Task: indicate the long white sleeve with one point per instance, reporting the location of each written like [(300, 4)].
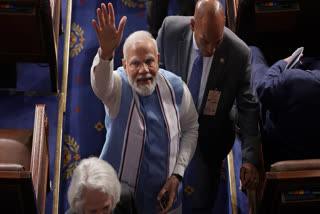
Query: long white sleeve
[(189, 132), (106, 84)]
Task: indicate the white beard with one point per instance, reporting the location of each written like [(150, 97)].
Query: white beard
[(143, 90)]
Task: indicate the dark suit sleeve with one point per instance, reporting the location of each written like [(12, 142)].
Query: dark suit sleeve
[(271, 89), (160, 43), (259, 65), (248, 108), (127, 203)]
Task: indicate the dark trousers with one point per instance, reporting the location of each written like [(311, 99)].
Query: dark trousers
[(207, 177)]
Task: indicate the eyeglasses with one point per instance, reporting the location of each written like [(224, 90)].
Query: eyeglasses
[(135, 63)]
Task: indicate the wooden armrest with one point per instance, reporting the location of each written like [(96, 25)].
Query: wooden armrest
[(295, 165), (297, 175)]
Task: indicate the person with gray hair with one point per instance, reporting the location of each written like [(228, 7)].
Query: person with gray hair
[(151, 120), (95, 188)]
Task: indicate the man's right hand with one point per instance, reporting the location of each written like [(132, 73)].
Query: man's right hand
[(109, 37), (249, 176)]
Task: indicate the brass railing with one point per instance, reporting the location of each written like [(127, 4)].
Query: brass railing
[(62, 108), (232, 183)]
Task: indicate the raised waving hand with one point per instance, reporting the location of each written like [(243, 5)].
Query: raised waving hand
[(108, 36)]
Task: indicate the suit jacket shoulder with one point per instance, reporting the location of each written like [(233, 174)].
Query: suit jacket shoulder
[(232, 42), (174, 43), (176, 23)]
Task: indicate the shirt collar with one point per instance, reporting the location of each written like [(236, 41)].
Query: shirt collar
[(194, 44)]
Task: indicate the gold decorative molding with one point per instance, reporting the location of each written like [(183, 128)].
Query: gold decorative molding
[(76, 35), (71, 156)]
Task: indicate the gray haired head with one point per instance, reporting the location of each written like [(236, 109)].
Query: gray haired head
[(93, 174), (137, 36)]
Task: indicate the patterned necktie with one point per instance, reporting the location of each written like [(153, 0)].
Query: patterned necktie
[(195, 77)]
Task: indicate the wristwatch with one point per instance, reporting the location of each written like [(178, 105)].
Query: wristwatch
[(179, 177)]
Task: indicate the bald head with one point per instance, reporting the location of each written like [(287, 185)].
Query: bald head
[(210, 8), (208, 25)]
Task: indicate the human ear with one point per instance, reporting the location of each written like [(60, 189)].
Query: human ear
[(192, 24), (124, 64)]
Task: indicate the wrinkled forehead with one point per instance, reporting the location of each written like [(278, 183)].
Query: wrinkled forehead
[(142, 47)]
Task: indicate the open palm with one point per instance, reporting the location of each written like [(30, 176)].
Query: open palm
[(109, 37)]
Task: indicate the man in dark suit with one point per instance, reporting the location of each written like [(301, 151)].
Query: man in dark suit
[(226, 78), (290, 106)]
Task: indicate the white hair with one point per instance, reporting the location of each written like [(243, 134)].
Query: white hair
[(140, 35), (93, 174), (144, 90)]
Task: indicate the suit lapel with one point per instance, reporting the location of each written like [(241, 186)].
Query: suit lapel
[(217, 69), (217, 73), (184, 47)]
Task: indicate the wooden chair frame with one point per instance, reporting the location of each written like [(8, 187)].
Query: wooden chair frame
[(30, 187)]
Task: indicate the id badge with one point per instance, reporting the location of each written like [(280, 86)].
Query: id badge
[(212, 103)]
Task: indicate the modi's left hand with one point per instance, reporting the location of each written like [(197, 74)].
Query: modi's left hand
[(249, 176), (171, 186)]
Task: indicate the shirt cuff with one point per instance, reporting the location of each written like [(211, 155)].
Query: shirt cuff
[(101, 66), (179, 169)]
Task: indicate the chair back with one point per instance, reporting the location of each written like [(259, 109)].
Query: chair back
[(24, 166), (292, 187)]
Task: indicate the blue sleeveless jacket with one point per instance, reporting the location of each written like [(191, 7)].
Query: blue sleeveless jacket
[(153, 171)]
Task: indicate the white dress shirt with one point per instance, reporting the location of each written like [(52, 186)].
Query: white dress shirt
[(205, 72)]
